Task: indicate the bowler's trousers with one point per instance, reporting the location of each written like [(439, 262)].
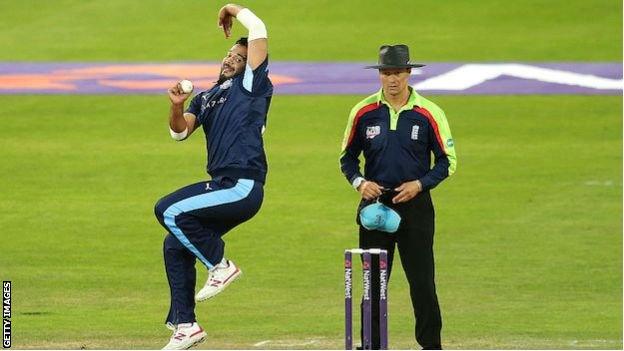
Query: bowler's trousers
[(414, 238), (196, 217)]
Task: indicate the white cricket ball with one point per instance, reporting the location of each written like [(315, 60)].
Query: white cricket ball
[(187, 86)]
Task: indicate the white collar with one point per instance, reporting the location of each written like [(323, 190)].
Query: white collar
[(226, 85)]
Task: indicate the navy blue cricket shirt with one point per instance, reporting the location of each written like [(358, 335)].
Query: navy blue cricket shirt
[(233, 116)]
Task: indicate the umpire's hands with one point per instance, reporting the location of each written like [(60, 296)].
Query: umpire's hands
[(407, 191), (369, 190)]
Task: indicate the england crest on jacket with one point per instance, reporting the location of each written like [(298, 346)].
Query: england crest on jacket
[(372, 131)]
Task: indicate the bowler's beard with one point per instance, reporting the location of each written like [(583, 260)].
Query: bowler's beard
[(223, 78)]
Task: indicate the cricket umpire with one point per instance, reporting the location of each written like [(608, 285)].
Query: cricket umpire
[(232, 115), (399, 131)]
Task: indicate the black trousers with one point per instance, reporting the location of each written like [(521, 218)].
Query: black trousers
[(414, 240)]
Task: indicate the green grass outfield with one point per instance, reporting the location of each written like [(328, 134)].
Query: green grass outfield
[(529, 231), (528, 239), (482, 30)]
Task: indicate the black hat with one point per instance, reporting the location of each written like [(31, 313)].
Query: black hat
[(394, 56)]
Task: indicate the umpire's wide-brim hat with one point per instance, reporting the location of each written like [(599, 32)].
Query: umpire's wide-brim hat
[(394, 56)]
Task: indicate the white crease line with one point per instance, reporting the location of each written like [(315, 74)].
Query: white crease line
[(311, 342), (599, 183), (286, 343), (594, 342), (261, 343)]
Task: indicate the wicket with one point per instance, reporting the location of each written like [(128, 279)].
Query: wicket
[(366, 299)]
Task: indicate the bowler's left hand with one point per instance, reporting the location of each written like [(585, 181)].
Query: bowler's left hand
[(407, 191)]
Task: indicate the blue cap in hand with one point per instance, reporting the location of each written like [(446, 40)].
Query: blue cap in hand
[(378, 216)]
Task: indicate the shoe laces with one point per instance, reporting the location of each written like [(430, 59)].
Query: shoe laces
[(215, 275)]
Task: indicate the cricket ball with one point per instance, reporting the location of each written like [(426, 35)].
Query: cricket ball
[(187, 86)]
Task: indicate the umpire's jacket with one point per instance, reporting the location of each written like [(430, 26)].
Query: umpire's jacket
[(397, 146)]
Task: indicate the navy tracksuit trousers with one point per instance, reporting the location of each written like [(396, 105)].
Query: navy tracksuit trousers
[(196, 217)]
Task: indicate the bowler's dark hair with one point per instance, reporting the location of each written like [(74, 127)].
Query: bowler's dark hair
[(242, 41)]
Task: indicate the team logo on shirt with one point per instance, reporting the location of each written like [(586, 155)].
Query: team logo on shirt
[(212, 103), (372, 131), (415, 132)]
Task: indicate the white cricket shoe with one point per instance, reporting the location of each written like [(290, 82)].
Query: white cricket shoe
[(218, 279), (185, 335)]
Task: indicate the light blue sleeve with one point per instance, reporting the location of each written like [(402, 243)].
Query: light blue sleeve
[(248, 78)]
